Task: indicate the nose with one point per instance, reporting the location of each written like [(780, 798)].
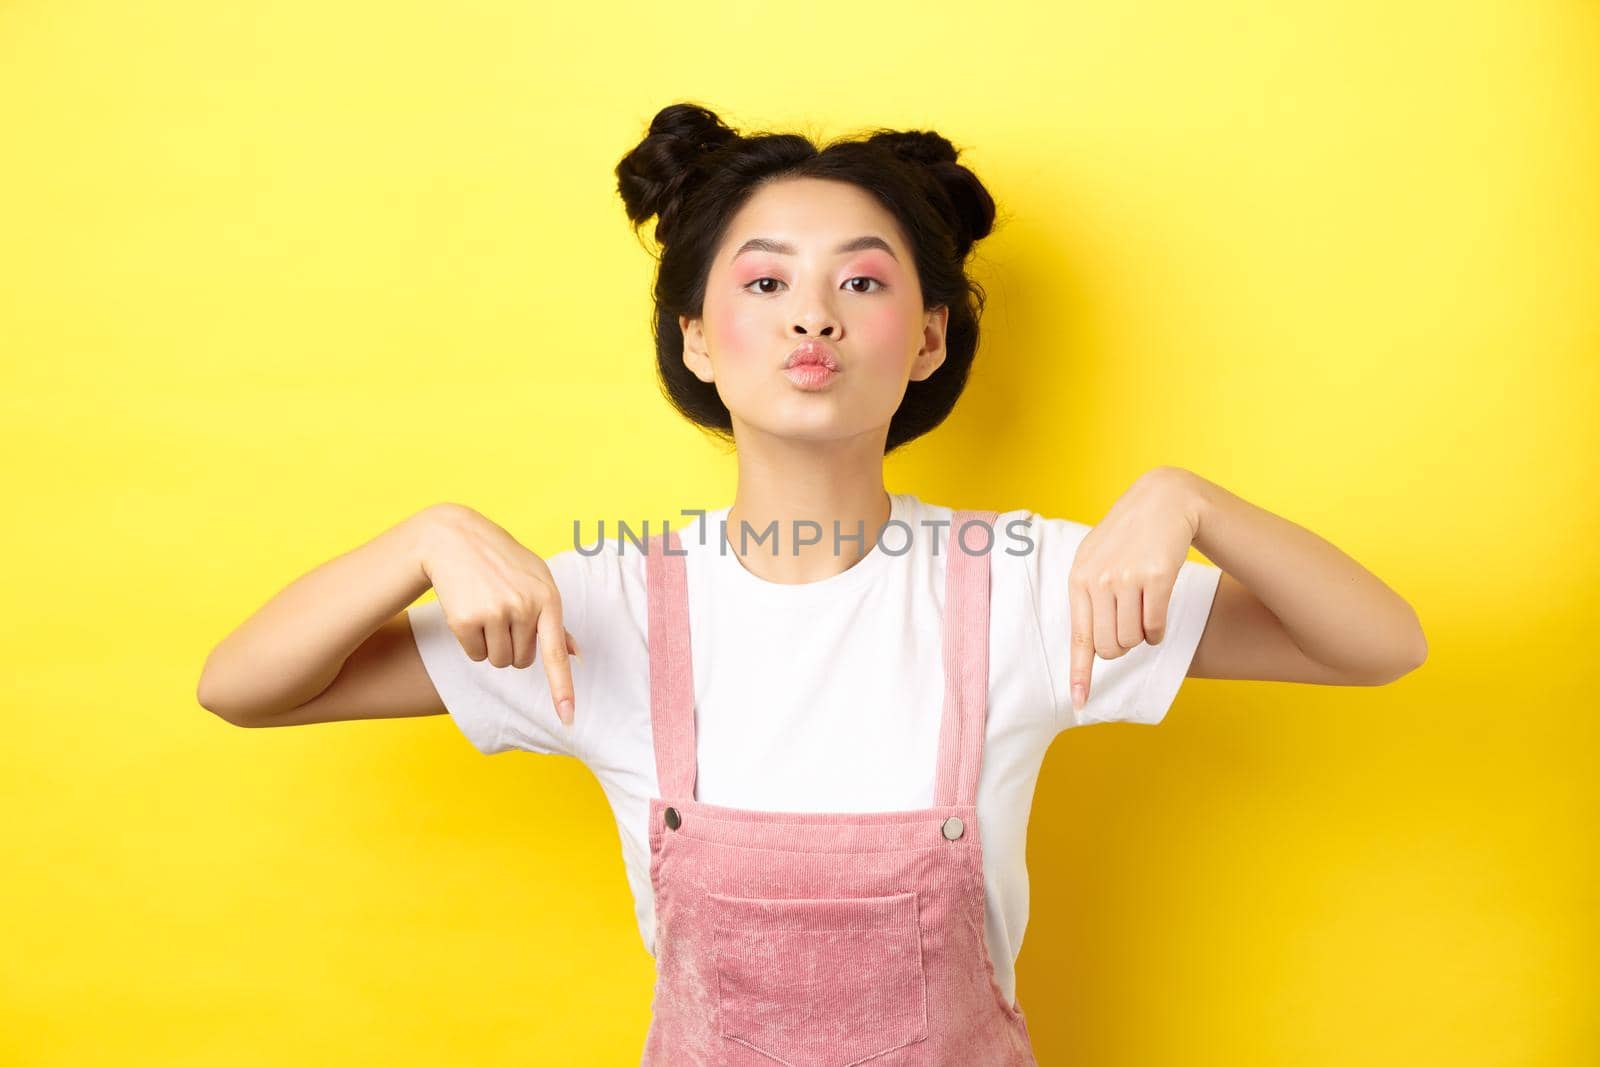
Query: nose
[(814, 319), (816, 326)]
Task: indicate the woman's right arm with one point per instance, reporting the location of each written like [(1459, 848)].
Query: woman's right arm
[(336, 643)]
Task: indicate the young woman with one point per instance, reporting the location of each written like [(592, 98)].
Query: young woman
[(818, 712)]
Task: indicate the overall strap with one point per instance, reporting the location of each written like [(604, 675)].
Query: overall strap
[(671, 671), (971, 545)]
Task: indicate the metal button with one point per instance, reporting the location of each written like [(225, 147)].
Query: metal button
[(673, 819), (953, 828)]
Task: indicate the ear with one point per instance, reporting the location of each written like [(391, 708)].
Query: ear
[(694, 348), (930, 357)]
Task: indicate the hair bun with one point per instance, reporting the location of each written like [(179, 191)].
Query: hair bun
[(652, 178), (966, 203), (918, 146)]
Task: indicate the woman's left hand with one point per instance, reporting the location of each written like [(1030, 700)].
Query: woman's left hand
[(1122, 576)]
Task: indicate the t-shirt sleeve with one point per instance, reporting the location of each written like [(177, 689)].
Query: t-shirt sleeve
[(503, 708), (1138, 686)]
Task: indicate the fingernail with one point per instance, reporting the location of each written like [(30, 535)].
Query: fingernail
[(566, 712), (1077, 696)]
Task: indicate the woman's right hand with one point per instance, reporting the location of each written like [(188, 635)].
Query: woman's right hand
[(499, 598)]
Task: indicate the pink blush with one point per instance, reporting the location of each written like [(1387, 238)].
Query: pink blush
[(882, 326), (737, 328)]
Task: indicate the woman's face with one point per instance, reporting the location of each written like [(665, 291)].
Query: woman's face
[(863, 304)]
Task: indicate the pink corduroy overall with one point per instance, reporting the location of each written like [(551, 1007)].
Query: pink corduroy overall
[(825, 939)]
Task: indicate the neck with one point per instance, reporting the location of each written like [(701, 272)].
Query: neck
[(785, 482)]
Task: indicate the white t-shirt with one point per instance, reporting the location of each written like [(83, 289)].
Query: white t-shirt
[(826, 695)]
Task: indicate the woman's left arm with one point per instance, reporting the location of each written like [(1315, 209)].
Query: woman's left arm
[(1289, 605)]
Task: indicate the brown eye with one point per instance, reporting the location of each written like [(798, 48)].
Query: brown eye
[(857, 278)]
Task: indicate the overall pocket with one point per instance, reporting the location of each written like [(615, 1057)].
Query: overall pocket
[(820, 982)]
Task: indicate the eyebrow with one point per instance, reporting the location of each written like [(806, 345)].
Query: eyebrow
[(766, 244)]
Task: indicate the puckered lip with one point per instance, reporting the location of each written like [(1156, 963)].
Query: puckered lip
[(812, 352)]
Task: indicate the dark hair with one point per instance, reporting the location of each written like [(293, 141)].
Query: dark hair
[(694, 173)]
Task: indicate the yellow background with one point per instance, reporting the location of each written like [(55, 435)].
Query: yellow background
[(278, 275)]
